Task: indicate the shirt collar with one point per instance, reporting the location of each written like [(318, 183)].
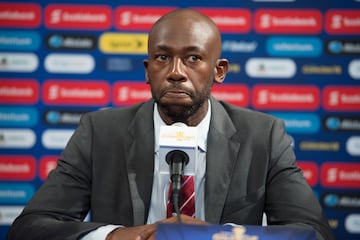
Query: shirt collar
[(203, 128)]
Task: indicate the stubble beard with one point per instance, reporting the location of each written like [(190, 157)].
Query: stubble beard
[(181, 113)]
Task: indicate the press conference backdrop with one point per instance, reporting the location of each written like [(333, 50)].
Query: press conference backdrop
[(295, 59)]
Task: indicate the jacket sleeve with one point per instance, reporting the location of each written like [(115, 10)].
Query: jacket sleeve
[(58, 208), (289, 199)]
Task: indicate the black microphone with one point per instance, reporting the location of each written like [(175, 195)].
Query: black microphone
[(177, 160)]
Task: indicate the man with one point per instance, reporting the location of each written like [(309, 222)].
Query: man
[(110, 165)]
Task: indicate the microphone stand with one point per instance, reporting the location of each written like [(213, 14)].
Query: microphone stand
[(176, 159)]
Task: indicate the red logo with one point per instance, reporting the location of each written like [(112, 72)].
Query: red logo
[(18, 91), (83, 17), (341, 98), (340, 175), (23, 15), (233, 93), (288, 21), (76, 92), (310, 172), (138, 18), (18, 168), (286, 97), (127, 93), (342, 22), (47, 164), (229, 20)]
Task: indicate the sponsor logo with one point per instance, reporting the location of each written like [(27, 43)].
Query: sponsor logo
[(294, 47), (123, 43), (229, 20), (18, 91), (18, 193), (17, 168), (56, 138), (234, 68), (127, 93), (47, 163), (341, 98), (342, 123), (286, 97), (19, 40), (58, 92), (22, 15), (17, 138), (18, 62), (236, 94), (70, 41), (342, 21), (62, 117), (310, 172), (343, 47), (18, 116), (341, 200), (334, 223), (352, 223), (61, 16), (130, 18), (340, 175), (270, 68), (118, 64), (9, 213), (354, 69), (353, 146), (319, 146), (288, 21), (315, 69), (239, 46), (300, 122), (69, 63)]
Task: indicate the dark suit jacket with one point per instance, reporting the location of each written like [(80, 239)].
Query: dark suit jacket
[(107, 168)]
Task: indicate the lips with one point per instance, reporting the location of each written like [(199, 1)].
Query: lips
[(176, 92)]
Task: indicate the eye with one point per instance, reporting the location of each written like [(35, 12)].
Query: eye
[(193, 58), (162, 57)]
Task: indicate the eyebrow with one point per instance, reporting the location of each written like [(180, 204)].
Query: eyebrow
[(186, 49)]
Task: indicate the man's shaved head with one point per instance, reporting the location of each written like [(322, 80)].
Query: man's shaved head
[(188, 18)]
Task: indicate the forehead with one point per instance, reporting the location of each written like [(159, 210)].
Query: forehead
[(182, 34)]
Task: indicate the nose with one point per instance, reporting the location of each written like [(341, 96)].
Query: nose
[(176, 72)]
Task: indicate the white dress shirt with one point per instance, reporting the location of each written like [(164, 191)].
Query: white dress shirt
[(161, 182)]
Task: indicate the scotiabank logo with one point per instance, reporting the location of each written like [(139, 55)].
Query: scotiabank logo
[(57, 92), (96, 17), (286, 97), (342, 22), (340, 175), (310, 172), (23, 15), (341, 98), (18, 91), (288, 21), (18, 168), (47, 163), (138, 18), (229, 20), (127, 93), (233, 93)]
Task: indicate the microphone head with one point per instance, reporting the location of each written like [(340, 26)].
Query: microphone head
[(177, 156)]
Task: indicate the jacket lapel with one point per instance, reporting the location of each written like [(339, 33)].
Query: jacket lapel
[(140, 161), (222, 150)]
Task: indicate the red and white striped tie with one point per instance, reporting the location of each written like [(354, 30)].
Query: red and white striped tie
[(187, 204)]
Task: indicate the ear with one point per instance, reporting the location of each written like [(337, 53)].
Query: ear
[(221, 68), (146, 64)]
